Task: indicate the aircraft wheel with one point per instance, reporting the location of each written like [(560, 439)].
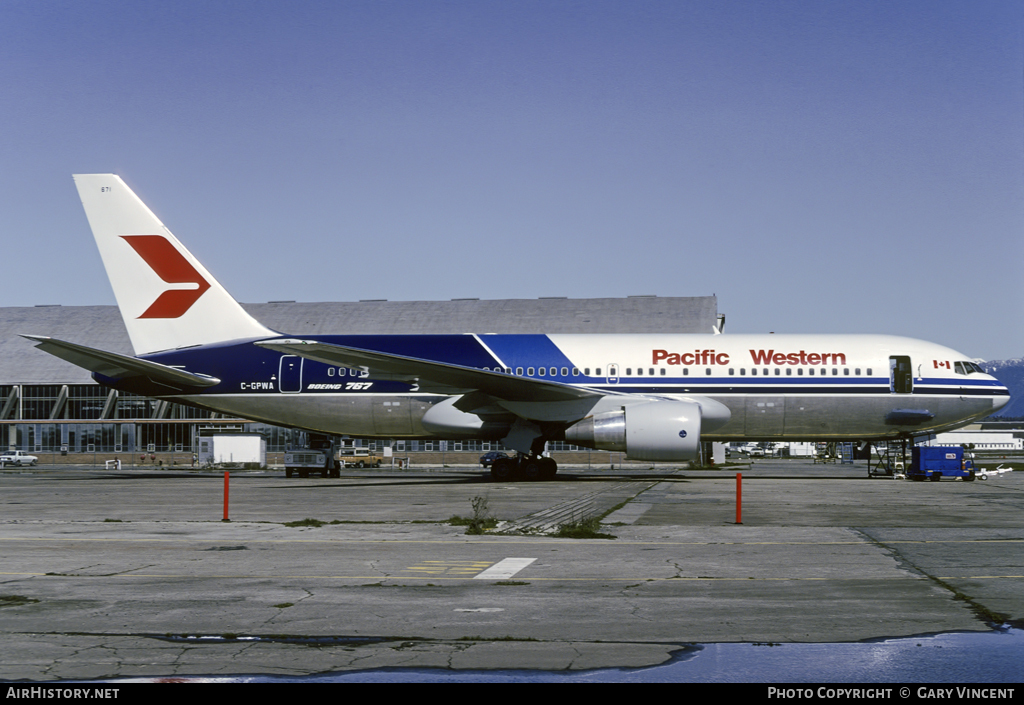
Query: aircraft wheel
[(503, 469), (548, 469), (532, 471)]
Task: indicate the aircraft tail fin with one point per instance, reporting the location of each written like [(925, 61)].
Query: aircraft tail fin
[(167, 298)]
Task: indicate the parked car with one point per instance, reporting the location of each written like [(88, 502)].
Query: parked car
[(487, 460), (18, 457), (359, 457)]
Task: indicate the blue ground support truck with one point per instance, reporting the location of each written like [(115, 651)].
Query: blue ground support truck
[(935, 462)]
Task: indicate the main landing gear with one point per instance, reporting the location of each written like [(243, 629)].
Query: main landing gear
[(531, 468)]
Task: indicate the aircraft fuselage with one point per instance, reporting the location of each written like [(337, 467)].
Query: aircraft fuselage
[(776, 387)]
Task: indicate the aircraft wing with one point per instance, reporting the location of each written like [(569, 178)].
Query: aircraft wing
[(111, 364), (429, 372)]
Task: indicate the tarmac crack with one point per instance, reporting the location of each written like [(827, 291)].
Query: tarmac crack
[(678, 568), (577, 656), (382, 573), (635, 609), (285, 605), (991, 618), (100, 575)]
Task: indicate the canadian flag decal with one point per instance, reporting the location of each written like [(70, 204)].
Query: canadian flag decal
[(170, 266)]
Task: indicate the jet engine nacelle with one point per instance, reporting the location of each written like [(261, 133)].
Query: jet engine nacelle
[(658, 430)]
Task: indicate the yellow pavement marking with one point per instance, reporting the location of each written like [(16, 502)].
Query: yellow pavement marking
[(505, 540), (451, 567), (458, 576)]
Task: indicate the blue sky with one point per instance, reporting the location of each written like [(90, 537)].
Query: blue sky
[(820, 166)]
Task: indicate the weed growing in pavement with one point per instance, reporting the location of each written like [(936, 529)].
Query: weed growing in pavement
[(586, 529), (481, 520), (310, 522), (16, 600)]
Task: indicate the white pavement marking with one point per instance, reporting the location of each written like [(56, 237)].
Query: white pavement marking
[(502, 570)]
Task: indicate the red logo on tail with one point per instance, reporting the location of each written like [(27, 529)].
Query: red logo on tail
[(170, 266)]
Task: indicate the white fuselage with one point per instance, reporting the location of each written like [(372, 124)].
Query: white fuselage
[(783, 387)]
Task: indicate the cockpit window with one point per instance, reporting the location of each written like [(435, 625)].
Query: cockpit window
[(967, 368)]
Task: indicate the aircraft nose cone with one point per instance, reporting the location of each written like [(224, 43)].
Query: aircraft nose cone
[(1000, 402)]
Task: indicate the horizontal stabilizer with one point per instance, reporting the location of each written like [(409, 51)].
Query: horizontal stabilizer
[(496, 384), (116, 366)]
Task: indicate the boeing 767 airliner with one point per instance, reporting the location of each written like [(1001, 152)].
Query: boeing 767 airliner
[(654, 397)]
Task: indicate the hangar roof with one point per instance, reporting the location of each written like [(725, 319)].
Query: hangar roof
[(102, 327)]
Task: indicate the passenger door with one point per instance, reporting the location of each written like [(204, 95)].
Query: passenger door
[(289, 374), (901, 375)]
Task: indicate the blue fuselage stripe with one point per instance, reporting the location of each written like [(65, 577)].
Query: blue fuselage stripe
[(238, 365)]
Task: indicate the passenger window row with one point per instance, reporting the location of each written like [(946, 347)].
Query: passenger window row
[(823, 371), (662, 371), (341, 371)]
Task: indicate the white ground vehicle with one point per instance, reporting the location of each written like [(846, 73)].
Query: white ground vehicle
[(315, 456), (18, 457)]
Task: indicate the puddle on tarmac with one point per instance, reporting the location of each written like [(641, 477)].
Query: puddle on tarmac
[(962, 657)]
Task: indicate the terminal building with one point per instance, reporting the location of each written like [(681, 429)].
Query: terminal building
[(990, 437), (55, 410)]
